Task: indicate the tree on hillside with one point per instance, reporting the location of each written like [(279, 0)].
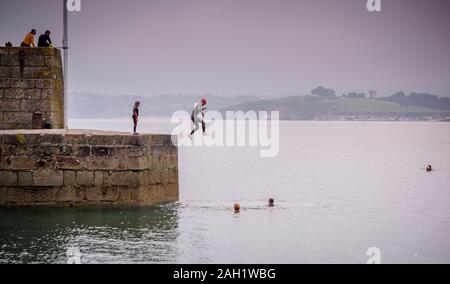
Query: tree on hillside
[(323, 92)]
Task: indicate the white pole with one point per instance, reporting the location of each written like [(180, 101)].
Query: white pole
[(66, 66)]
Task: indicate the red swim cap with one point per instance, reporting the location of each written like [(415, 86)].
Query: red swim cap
[(204, 102)]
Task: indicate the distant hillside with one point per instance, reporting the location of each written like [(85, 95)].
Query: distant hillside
[(86, 105), (420, 100), (331, 108)]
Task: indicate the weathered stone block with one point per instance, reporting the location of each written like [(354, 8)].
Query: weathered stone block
[(98, 178), (17, 117), (25, 178), (101, 151), (75, 140), (69, 163), (5, 72), (161, 140), (82, 151), (101, 163), (10, 105), (48, 149), (45, 84), (15, 93), (127, 151), (172, 161), (65, 150), (103, 194), (15, 195), (38, 61), (25, 84), (101, 140), (9, 60), (162, 193), (165, 176), (173, 176), (46, 94), (5, 83), (128, 178), (8, 178), (127, 194), (52, 138), (21, 163), (85, 178), (48, 178), (29, 105), (38, 194), (70, 194), (136, 140), (106, 178), (134, 163), (3, 196), (69, 178), (33, 73), (154, 177)]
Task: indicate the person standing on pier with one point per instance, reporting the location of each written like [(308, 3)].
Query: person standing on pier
[(135, 115)]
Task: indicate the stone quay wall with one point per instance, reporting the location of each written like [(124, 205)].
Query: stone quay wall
[(31, 80), (86, 168)]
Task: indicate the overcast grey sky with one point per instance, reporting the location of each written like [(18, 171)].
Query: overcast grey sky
[(257, 47)]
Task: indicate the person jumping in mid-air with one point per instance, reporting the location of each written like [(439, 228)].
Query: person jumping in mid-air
[(198, 109), (135, 115)]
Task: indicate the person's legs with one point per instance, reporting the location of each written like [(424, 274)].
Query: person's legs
[(196, 124), (135, 125)]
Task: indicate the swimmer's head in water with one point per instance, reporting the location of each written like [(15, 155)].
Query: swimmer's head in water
[(237, 207), (204, 102), (271, 202)]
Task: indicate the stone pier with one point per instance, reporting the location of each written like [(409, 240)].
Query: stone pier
[(56, 167), (31, 81), (86, 168)]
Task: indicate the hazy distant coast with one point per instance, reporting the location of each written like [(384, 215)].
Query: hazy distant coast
[(321, 104)]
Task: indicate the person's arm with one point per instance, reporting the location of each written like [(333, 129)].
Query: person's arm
[(32, 41)]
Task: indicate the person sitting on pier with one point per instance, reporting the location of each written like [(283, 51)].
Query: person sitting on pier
[(28, 41), (198, 109), (135, 115), (44, 40)]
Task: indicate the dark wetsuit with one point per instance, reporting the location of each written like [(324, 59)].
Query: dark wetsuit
[(44, 41), (135, 118)]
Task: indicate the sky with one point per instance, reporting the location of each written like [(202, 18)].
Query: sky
[(266, 48)]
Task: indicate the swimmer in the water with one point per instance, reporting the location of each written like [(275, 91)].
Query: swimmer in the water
[(429, 168), (271, 202), (237, 208)]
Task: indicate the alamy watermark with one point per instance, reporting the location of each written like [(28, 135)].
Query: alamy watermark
[(374, 255), (374, 5), (73, 255), (73, 5), (236, 129)]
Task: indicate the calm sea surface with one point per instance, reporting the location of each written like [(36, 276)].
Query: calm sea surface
[(339, 188)]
